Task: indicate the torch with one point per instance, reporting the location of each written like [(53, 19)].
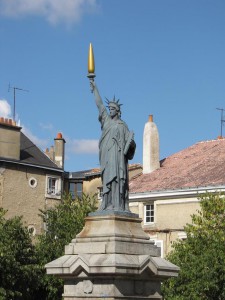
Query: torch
[(91, 64)]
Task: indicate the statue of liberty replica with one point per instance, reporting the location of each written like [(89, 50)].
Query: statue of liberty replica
[(116, 147), (112, 257)]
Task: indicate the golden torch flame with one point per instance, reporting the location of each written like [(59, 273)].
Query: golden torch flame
[(91, 60)]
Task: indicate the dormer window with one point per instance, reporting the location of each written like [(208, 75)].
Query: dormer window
[(100, 192)]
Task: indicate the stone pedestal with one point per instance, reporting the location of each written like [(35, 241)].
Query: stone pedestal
[(112, 258)]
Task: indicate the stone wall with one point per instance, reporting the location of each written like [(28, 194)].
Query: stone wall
[(22, 193), (171, 216)]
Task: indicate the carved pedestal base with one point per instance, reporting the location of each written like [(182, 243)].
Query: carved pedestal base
[(112, 258)]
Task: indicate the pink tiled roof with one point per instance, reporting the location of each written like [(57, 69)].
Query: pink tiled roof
[(200, 165)]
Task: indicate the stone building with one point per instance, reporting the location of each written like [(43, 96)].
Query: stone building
[(29, 180), (167, 193)]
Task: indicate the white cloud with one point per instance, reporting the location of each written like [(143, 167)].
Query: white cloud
[(72, 146), (47, 126), (5, 109), (82, 146), (41, 143), (55, 11)]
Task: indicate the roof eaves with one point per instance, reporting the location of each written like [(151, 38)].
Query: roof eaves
[(83, 174), (75, 175), (31, 165), (175, 193), (92, 174)]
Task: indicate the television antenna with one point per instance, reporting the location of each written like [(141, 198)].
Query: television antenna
[(221, 120), (14, 88)]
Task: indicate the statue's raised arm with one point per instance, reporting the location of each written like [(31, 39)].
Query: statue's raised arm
[(95, 91)]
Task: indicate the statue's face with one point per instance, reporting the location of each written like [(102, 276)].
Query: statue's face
[(113, 112)]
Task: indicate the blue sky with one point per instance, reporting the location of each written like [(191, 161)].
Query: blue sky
[(160, 57)]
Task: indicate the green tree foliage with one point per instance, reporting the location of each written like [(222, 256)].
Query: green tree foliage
[(201, 257), (19, 270), (62, 224)]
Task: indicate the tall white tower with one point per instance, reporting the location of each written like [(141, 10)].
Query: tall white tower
[(150, 147)]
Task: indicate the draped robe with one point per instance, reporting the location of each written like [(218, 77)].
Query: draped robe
[(114, 162)]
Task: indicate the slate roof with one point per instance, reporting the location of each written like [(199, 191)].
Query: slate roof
[(30, 154), (81, 175), (200, 165), (93, 172)]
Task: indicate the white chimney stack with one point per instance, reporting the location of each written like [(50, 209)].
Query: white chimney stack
[(150, 147)]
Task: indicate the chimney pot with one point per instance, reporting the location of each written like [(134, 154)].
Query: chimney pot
[(150, 118), (59, 135)]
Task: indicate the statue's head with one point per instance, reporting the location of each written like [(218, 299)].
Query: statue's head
[(114, 104)]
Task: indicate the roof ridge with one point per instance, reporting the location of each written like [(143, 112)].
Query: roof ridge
[(209, 141)]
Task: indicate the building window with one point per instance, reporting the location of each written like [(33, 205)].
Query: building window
[(32, 230), (79, 189), (100, 192), (149, 213), (53, 185), (182, 235), (76, 189)]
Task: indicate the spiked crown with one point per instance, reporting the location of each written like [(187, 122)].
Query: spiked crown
[(115, 103)]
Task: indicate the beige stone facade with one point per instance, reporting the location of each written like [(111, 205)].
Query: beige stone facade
[(92, 185), (29, 180), (23, 193), (170, 217)]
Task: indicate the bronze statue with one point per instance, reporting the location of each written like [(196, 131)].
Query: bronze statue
[(116, 147)]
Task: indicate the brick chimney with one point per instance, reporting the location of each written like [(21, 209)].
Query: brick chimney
[(50, 153), (150, 147), (9, 139), (59, 150)]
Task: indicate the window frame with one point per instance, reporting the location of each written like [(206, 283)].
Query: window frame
[(75, 192), (150, 216), (182, 235), (100, 193), (56, 191)]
